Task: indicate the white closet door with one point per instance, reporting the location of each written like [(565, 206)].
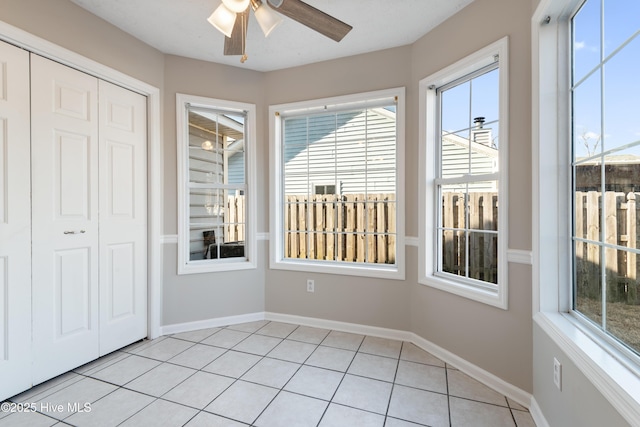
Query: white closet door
[(64, 171), (123, 217), (15, 223)]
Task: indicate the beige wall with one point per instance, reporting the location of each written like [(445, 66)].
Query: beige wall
[(496, 340), (194, 297)]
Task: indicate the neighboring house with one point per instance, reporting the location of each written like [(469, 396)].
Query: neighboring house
[(328, 154), (480, 155), (621, 174)]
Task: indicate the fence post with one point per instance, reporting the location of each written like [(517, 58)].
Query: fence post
[(632, 241)]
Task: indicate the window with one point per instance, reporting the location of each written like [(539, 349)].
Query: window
[(215, 185), (463, 186), (577, 144), (338, 202), (605, 90)]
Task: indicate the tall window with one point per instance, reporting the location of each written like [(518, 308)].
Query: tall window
[(214, 143), (605, 107), (337, 183), (464, 228)]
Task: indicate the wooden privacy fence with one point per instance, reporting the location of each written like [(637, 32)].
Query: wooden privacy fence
[(351, 227), (621, 229), (234, 218), (483, 246)]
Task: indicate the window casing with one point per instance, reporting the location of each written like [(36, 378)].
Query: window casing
[(463, 188), (216, 220), (338, 193)]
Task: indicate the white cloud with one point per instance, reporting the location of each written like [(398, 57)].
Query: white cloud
[(579, 45)]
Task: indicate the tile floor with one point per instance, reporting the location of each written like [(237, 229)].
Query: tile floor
[(267, 374)]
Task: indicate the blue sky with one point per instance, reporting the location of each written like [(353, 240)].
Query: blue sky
[(621, 82)]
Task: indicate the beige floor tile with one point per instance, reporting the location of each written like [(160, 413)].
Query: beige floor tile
[(377, 367), (161, 413), (198, 356), (112, 409), (47, 387), (27, 419), (515, 405), (394, 422), (462, 385), (65, 402), (258, 344), (381, 347), (197, 335), (205, 419), (161, 379), (315, 382), (342, 416), (426, 377), (309, 335), (331, 358), (165, 349), (232, 364), (468, 413), (199, 390), (364, 393), (271, 372), (523, 419), (413, 353), (125, 370), (101, 363), (277, 329), (292, 351), (242, 401), (289, 409), (249, 327), (343, 340), (225, 338), (419, 406)]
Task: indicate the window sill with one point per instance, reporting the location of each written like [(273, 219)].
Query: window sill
[(216, 267), (598, 361), (497, 299), (379, 272)]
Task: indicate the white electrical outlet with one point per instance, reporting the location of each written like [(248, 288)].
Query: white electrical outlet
[(310, 285), (557, 373)]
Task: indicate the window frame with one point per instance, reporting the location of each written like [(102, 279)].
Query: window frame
[(429, 206), (359, 100), (611, 371), (249, 261)]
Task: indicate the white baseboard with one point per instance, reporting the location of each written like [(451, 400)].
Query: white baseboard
[(537, 415), (520, 396), (210, 323), (487, 378), (353, 328)]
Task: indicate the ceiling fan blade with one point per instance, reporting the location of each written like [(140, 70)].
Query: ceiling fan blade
[(313, 18), (234, 45)]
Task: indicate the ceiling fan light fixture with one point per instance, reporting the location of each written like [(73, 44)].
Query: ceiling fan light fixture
[(223, 19), (266, 17), (236, 6)]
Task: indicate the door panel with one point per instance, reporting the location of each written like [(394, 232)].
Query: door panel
[(72, 176), (15, 222), (64, 169), (72, 292), (123, 217)]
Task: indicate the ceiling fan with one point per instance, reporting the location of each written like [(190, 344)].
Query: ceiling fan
[(232, 16)]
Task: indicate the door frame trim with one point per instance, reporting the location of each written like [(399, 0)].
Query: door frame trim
[(47, 49)]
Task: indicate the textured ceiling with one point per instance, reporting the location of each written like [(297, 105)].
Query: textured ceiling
[(180, 27)]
